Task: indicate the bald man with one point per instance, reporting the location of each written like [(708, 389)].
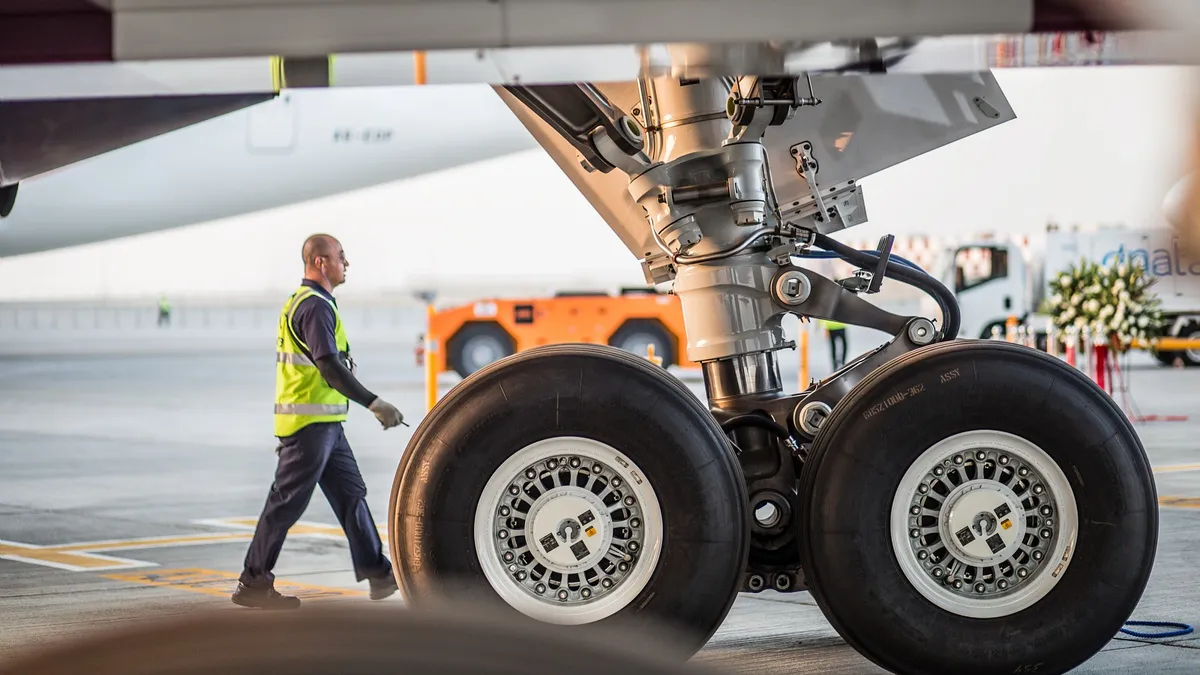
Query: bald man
[(315, 380)]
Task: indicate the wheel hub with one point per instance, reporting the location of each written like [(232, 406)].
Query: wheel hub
[(568, 531), (984, 524)]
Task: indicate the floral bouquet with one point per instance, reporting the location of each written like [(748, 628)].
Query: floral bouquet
[(1114, 303)]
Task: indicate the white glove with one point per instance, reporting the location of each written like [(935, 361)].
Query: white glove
[(386, 413)]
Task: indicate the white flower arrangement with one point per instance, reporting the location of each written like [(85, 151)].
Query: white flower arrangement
[(1114, 302)]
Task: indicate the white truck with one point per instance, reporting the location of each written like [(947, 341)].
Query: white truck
[(994, 280)]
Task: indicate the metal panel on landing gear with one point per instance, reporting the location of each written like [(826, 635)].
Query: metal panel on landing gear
[(864, 124)]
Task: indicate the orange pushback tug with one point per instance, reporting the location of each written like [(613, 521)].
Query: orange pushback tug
[(468, 337)]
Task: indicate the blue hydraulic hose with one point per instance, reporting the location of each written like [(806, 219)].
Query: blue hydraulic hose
[(831, 254), (1181, 629)]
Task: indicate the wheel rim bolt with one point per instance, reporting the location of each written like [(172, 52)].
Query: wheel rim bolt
[(633, 546), (504, 511), (623, 567), (958, 585), (607, 583), (563, 595), (514, 490), (616, 482), (540, 588), (629, 501), (508, 556), (958, 459), (1037, 555), (596, 468), (1022, 572), (1003, 584), (531, 474), (1003, 459), (914, 533), (1038, 489), (587, 592), (503, 534), (521, 576), (575, 462), (938, 471), (916, 510), (552, 464), (921, 555), (981, 455), (1045, 534), (979, 588), (923, 488), (1023, 471), (937, 572), (635, 523), (1046, 510)]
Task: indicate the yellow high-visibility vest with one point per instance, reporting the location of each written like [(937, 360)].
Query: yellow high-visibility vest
[(830, 325), (302, 396)]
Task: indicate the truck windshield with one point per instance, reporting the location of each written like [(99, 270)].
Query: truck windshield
[(976, 265)]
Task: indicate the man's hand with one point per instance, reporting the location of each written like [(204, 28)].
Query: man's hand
[(386, 413)]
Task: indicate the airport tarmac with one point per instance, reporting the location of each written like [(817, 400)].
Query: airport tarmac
[(130, 481)]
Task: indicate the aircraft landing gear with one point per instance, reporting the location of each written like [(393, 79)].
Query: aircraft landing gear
[(953, 506)]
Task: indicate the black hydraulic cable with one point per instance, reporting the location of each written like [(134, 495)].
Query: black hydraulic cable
[(755, 421), (902, 273)]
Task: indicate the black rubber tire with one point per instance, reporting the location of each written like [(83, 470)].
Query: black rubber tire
[(1189, 332), (664, 344), (346, 639), (986, 333), (856, 465), (456, 346), (593, 391), (1165, 358)]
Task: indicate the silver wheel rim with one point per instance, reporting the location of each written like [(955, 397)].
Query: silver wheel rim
[(638, 344), (568, 531), (984, 524), (1193, 354)]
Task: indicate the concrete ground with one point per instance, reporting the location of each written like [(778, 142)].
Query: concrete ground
[(159, 446)]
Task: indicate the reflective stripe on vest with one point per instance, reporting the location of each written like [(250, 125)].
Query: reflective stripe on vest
[(302, 396)]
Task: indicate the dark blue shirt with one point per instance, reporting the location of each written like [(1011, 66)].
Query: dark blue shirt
[(314, 322)]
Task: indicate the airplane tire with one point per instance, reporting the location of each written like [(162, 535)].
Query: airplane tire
[(575, 484), (347, 639), (977, 507)]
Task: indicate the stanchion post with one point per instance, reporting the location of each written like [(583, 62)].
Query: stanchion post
[(803, 357), (1010, 329), (431, 361)]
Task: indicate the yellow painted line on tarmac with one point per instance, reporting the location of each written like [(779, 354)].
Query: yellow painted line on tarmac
[(154, 542), (1180, 502), (1177, 468), (50, 556), (300, 528), (222, 584)]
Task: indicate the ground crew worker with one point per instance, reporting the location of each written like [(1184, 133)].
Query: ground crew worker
[(314, 383), (836, 332)]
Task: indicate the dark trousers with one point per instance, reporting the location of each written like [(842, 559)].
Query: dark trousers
[(836, 336), (318, 454)]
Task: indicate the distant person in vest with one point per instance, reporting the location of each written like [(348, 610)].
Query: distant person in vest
[(836, 332), (314, 383)]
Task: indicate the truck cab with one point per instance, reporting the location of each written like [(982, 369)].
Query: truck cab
[(991, 281)]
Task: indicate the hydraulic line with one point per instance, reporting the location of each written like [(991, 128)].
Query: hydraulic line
[(905, 274)]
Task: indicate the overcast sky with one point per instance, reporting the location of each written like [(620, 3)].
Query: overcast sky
[(1090, 146)]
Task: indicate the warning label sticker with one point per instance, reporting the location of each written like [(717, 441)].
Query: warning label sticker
[(1006, 524), (995, 543), (548, 542), (580, 550), (965, 536), (591, 531)]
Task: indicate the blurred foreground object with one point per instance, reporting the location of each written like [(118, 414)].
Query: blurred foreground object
[(354, 640)]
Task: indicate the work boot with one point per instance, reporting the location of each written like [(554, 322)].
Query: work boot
[(263, 598), (383, 587)]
